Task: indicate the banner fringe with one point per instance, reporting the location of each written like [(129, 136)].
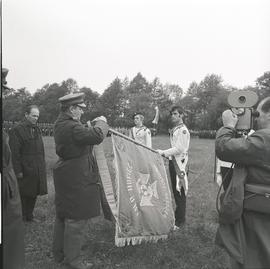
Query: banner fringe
[(137, 240)]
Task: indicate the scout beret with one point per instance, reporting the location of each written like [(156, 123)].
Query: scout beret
[(138, 113), (73, 99)]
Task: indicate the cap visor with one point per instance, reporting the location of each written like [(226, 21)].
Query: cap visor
[(81, 105)]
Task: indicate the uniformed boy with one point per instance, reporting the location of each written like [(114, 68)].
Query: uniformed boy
[(139, 132), (178, 156)]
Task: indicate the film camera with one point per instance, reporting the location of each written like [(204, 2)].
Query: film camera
[(241, 103)]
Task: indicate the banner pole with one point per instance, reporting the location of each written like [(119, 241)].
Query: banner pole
[(130, 139)]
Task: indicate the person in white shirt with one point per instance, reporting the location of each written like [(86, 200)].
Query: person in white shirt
[(178, 156), (139, 132)]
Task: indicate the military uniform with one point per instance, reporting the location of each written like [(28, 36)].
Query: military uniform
[(178, 155), (77, 192), (248, 240), (142, 135)]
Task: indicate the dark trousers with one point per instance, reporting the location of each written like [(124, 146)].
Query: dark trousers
[(67, 240), (180, 200), (28, 205)]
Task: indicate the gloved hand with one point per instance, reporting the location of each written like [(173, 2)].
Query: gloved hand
[(160, 151)]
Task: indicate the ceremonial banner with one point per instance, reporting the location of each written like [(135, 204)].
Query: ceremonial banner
[(144, 204)]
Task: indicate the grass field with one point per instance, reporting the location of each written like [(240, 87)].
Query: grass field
[(190, 247)]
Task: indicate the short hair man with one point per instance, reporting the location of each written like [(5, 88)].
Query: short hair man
[(28, 159), (248, 240), (178, 155), (139, 132), (77, 192)]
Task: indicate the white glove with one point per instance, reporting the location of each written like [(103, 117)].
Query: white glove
[(219, 179), (251, 132), (100, 118), (160, 151)]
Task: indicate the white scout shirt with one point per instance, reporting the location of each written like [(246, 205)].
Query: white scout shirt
[(179, 138), (141, 135)]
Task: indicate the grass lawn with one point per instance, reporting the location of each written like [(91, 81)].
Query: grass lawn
[(190, 247)]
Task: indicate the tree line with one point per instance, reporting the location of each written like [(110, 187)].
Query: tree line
[(203, 101)]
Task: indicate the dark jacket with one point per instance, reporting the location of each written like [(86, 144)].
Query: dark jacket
[(28, 158), (13, 229), (77, 192), (248, 240)]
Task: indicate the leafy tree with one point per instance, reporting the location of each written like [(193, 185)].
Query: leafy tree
[(14, 104), (47, 99), (112, 101), (138, 85), (263, 84), (173, 91), (92, 103)]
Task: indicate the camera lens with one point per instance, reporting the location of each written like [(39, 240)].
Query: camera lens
[(242, 99)]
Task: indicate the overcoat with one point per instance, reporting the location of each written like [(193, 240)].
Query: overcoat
[(247, 240), (13, 229), (77, 190), (28, 158)]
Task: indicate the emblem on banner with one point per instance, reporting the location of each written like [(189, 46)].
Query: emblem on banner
[(146, 190)]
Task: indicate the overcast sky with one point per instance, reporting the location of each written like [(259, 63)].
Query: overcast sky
[(94, 41)]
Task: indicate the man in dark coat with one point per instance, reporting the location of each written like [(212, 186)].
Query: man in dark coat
[(247, 241), (13, 228), (28, 159), (77, 193)]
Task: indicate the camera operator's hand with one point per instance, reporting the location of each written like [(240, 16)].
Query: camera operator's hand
[(100, 118), (229, 119)]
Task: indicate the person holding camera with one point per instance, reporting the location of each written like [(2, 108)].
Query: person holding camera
[(247, 240), (77, 190)]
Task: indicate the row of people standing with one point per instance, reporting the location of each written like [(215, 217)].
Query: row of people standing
[(75, 175), (46, 129)]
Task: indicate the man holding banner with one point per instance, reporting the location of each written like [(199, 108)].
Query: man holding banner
[(178, 155), (77, 190)]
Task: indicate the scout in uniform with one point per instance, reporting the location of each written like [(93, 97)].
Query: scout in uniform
[(139, 132), (178, 156)]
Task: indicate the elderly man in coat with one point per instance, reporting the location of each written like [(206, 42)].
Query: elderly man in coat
[(247, 240), (28, 159), (77, 193)]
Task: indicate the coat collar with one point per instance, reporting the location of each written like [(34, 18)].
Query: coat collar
[(27, 123), (66, 116)]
